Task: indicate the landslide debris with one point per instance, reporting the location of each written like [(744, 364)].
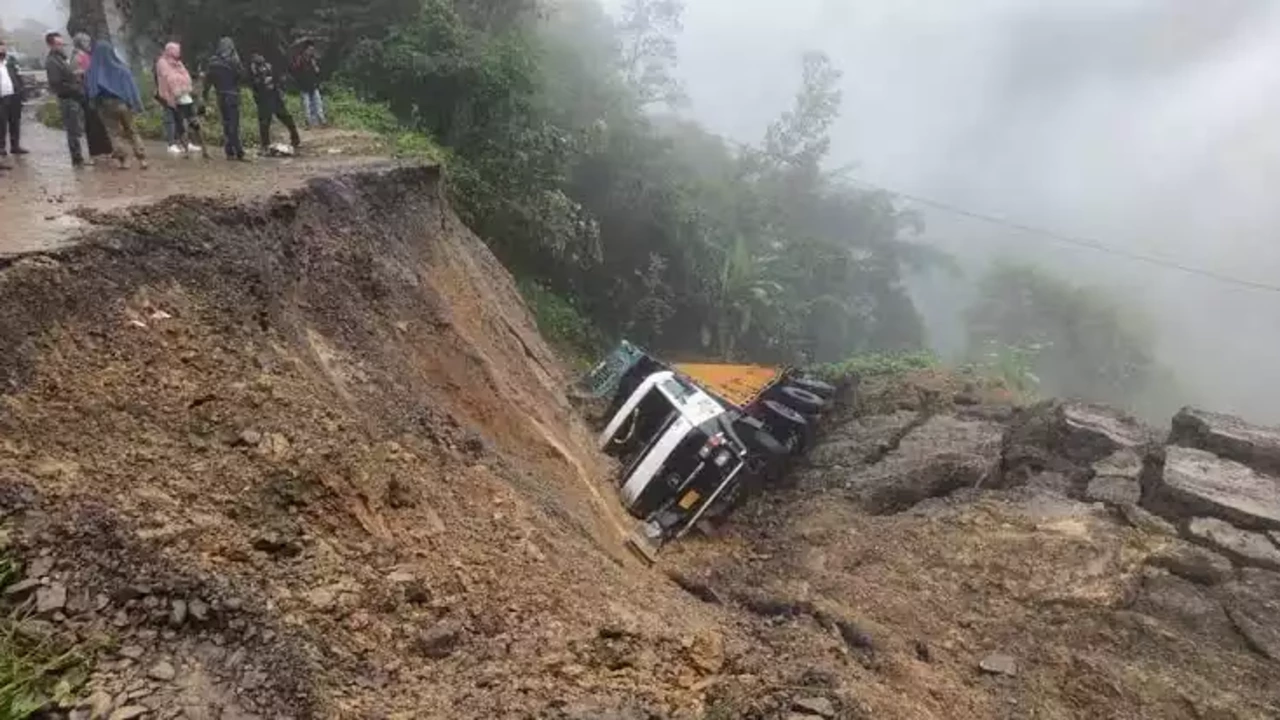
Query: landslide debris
[(309, 457), (1005, 562)]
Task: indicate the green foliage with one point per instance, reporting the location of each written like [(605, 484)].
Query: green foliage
[(1038, 331), (868, 365), (562, 324), (548, 120), (36, 670)]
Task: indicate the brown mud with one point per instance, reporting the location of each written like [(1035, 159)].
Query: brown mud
[(308, 456)]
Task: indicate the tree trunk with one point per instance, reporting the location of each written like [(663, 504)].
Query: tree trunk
[(89, 16)]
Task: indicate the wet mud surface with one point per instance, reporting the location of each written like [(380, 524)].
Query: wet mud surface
[(40, 196)]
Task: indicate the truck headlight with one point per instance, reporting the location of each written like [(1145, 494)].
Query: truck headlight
[(723, 458)]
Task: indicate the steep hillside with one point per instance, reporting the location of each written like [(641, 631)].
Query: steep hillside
[(308, 456), (326, 422)]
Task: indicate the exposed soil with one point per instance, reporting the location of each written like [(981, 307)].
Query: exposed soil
[(307, 456)]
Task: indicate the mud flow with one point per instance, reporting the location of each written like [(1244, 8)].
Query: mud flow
[(308, 456)]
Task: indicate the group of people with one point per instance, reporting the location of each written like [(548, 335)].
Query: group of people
[(98, 99)]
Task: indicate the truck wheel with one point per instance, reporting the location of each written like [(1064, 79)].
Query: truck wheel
[(801, 400), (822, 389), (787, 425)]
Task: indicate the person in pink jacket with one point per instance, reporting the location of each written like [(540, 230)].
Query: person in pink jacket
[(177, 91)]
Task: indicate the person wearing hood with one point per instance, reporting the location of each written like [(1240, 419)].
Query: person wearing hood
[(114, 93), (95, 132), (68, 86), (270, 100), (306, 72), (12, 91), (224, 75), (176, 91)]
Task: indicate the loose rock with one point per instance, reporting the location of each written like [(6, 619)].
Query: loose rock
[(133, 652), (820, 706), (129, 712), (178, 613), (1228, 437), (1114, 490), (163, 671), (1247, 548), (441, 640), (1147, 521), (1253, 604), (199, 610), (1193, 563), (999, 664), (1195, 483), (51, 599)]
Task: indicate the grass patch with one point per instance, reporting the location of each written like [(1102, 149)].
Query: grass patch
[(867, 365), (37, 670), (342, 108), (563, 325)]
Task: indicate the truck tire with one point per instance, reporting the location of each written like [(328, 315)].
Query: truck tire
[(824, 390), (787, 426), (801, 400)]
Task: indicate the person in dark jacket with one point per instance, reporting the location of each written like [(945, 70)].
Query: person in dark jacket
[(12, 90), (306, 72), (270, 100), (94, 131), (224, 74), (67, 85)]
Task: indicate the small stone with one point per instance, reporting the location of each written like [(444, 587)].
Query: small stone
[(1275, 537), (819, 706), (163, 671), (250, 438), (129, 712), (99, 705), (51, 599), (1114, 490), (133, 652), (999, 664), (802, 716), (39, 568), (178, 613), (1147, 521), (199, 610), (441, 640), (1248, 548), (322, 598)]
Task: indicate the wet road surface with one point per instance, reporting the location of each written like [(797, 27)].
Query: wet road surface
[(42, 188)]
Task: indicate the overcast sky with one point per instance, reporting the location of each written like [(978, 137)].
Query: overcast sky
[(1151, 125), (13, 12)]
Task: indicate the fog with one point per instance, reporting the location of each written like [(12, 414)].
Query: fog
[(1152, 126), (45, 12)]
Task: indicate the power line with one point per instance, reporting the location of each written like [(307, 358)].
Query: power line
[(1075, 241)]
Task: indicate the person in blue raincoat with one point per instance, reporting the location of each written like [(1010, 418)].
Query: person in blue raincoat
[(114, 94)]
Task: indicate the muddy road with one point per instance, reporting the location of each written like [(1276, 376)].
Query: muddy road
[(38, 196)]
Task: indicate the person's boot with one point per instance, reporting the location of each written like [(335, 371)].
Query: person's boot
[(21, 151)]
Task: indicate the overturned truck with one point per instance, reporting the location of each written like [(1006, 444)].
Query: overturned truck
[(693, 440)]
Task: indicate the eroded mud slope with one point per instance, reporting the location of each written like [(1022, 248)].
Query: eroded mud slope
[(309, 457)]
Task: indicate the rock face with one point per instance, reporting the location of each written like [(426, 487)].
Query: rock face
[(1253, 603), (1197, 483), (1228, 437), (1247, 548), (1193, 563), (941, 456), (1081, 442), (1184, 604)]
